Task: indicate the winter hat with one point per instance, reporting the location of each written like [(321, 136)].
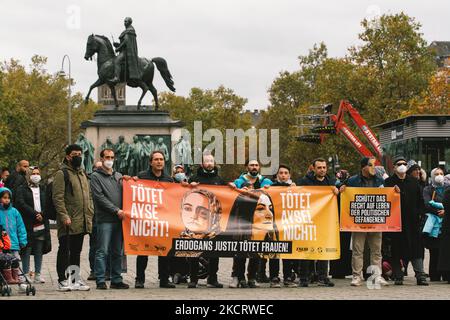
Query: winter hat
[(411, 165), (398, 158)]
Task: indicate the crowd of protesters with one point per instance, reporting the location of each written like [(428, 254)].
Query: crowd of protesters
[(92, 205)]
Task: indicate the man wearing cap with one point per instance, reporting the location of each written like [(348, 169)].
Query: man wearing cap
[(408, 243), (367, 178)]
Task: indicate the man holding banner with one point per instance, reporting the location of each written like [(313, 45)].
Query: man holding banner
[(366, 179), (317, 177), (408, 243), (207, 174), (155, 173)]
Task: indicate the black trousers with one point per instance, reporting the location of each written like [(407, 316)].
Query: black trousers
[(289, 267), (163, 268), (306, 266), (239, 268), (69, 252), (435, 275), (179, 265), (213, 267)]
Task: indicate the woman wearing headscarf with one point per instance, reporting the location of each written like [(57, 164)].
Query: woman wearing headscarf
[(433, 196)]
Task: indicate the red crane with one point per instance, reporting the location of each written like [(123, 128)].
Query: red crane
[(335, 124)]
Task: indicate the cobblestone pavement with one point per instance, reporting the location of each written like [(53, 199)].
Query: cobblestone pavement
[(342, 290)]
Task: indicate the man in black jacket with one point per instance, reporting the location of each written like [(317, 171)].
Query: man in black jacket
[(208, 174), (106, 187), (155, 173), (408, 243), (17, 178), (317, 177)]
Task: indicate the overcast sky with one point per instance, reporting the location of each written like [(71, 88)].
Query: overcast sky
[(241, 44)]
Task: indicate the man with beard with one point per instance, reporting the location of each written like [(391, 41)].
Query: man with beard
[(17, 178), (250, 178), (317, 177), (367, 178), (207, 174)]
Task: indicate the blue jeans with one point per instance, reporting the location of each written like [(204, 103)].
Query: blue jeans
[(25, 256), (109, 240)]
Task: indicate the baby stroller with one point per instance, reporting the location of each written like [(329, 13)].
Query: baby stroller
[(10, 271)]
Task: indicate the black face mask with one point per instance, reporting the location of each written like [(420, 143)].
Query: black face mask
[(5, 206), (76, 162)]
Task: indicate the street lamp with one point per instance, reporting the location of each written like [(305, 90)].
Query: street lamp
[(69, 107)]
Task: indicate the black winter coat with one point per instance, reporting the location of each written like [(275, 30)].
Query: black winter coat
[(25, 205), (211, 178), (407, 244), (444, 248)]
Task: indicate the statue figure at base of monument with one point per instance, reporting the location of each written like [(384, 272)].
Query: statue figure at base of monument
[(87, 153), (135, 155), (122, 153)]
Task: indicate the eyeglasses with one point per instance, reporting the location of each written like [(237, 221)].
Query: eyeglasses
[(401, 164)]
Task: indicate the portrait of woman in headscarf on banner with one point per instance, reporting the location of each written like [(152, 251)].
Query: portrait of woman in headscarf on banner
[(200, 212), (252, 218)]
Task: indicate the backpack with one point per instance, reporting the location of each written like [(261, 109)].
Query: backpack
[(50, 209)]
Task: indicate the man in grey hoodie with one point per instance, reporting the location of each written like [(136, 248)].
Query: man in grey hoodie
[(106, 187)]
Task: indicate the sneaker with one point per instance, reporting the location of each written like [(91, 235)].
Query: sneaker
[(192, 285), (398, 282), (139, 285), (63, 286), (92, 277), (325, 283), (275, 283), (38, 278), (176, 278), (356, 281), (303, 284), (214, 284), (422, 282), (81, 286), (102, 286), (243, 284), (382, 281), (262, 278), (253, 284), (119, 285), (167, 285), (288, 283), (234, 283)]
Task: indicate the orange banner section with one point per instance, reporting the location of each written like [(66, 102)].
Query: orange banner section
[(370, 210), (287, 222)]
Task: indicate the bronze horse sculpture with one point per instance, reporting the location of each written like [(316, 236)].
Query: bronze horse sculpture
[(105, 70)]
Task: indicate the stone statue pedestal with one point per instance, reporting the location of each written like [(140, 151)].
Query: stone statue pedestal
[(129, 122)]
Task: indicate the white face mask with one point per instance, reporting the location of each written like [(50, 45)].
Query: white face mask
[(402, 169), (35, 178), (108, 163), (439, 180)]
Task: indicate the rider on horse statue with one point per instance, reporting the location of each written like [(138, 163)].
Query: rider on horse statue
[(128, 53)]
